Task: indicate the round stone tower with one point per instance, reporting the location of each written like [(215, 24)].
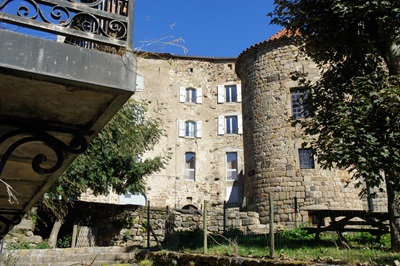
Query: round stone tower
[(274, 158)]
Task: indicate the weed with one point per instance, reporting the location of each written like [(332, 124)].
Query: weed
[(65, 241), (145, 262), (23, 245), (42, 245), (127, 235)]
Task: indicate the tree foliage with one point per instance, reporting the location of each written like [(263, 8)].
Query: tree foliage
[(356, 123), (112, 160)]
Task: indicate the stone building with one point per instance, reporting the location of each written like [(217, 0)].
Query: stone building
[(199, 100), (274, 158), (218, 125)]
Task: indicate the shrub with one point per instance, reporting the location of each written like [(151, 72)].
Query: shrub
[(42, 245), (23, 245), (296, 234), (65, 241)]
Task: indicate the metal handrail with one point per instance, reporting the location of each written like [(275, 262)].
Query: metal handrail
[(105, 22)]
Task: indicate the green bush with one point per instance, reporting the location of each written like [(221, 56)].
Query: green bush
[(65, 241), (23, 245), (296, 234), (42, 245)]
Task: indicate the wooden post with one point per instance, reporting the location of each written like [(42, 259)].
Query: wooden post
[(205, 226), (224, 221), (271, 226), (148, 224), (296, 212), (74, 233)]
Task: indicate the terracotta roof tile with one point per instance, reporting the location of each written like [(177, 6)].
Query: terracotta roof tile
[(283, 37), (283, 33)]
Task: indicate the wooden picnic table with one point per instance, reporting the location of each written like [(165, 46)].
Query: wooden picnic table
[(375, 223)]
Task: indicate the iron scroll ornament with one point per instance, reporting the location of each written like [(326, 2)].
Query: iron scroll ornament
[(77, 145), (71, 16)]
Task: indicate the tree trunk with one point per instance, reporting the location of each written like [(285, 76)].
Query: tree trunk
[(393, 198), (394, 59), (54, 233)]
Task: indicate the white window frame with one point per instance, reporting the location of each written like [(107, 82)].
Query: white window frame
[(229, 170), (222, 124), (190, 129), (190, 95), (197, 98), (198, 129), (190, 173), (231, 124), (221, 92)]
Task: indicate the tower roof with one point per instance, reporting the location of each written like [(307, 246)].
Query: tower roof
[(281, 38)]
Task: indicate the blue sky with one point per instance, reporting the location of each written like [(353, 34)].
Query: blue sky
[(217, 28)]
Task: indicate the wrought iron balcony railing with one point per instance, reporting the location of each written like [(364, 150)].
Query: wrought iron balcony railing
[(87, 23)]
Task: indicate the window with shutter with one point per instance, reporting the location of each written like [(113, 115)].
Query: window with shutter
[(182, 94), (190, 129), (199, 95), (199, 129), (240, 124), (181, 128), (221, 93), (231, 125), (229, 93), (239, 92), (190, 95), (221, 125)]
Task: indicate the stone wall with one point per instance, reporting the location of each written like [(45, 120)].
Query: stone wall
[(163, 76), (166, 223), (271, 143), (127, 225)]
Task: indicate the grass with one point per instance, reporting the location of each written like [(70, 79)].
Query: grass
[(294, 244)]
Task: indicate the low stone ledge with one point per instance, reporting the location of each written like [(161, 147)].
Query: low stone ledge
[(175, 258)]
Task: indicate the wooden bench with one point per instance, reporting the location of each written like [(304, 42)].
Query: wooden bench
[(341, 221)]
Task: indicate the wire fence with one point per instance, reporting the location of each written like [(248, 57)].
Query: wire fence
[(348, 234), (236, 229)]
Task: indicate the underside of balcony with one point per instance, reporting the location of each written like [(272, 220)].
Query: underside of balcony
[(54, 98)]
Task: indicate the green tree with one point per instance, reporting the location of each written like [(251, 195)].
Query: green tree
[(356, 103), (112, 161)]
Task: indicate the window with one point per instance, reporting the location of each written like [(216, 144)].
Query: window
[(190, 129), (306, 158), (132, 198), (231, 166), (229, 93), (299, 109), (190, 95), (190, 166), (139, 83), (230, 124)]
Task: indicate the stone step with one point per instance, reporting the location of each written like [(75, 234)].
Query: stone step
[(66, 257)]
